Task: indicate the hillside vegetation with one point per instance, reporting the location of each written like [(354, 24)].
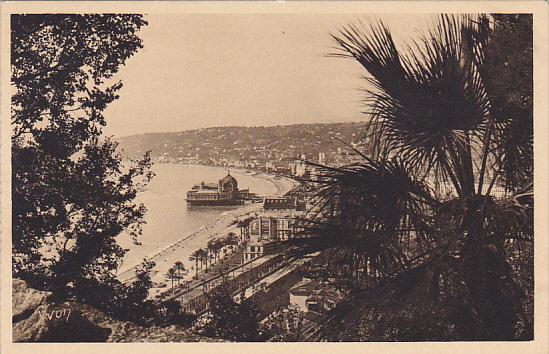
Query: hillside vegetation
[(246, 143)]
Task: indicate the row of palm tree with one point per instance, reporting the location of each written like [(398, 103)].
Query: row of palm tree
[(203, 257), (243, 225), (174, 273)]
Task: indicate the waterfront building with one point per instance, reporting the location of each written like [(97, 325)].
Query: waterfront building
[(299, 168), (278, 220), (188, 160), (322, 158), (283, 204), (225, 192), (278, 166), (253, 251), (268, 227)]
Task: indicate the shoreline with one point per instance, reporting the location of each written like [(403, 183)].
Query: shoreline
[(214, 229), (259, 174)]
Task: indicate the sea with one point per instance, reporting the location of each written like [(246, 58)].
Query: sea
[(168, 217)]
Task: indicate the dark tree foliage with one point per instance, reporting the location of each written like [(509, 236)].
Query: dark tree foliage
[(229, 319), (283, 325), (127, 302), (508, 78), (170, 313), (72, 192), (133, 303), (433, 251)]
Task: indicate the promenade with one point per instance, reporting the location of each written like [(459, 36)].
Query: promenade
[(236, 277), (181, 250)]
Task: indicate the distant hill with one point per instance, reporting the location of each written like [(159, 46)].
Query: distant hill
[(275, 143)]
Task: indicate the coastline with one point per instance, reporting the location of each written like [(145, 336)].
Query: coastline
[(263, 175), (181, 249)]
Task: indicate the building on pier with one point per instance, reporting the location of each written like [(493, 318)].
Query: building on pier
[(225, 192)]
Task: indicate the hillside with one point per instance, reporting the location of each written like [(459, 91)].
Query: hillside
[(36, 318), (259, 144)]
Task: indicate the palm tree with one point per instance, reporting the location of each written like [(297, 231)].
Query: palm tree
[(242, 225), (217, 250), (215, 246), (207, 257), (203, 257), (210, 249), (171, 275), (438, 117), (232, 239), (195, 256), (179, 267)]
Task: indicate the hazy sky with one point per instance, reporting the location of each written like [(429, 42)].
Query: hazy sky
[(209, 70)]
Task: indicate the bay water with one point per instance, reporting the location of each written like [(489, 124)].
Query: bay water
[(168, 217)]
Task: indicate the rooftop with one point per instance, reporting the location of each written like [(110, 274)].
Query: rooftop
[(279, 203)]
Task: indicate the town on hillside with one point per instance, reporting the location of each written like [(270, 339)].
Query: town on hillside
[(280, 149), (182, 175)]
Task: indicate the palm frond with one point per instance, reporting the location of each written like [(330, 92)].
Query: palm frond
[(425, 102), (376, 215), (435, 297), (512, 218)]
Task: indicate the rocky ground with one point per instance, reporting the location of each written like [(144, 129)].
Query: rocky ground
[(37, 319)]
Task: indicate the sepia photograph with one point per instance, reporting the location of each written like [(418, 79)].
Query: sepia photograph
[(270, 177)]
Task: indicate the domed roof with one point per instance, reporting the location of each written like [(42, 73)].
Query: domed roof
[(228, 181)]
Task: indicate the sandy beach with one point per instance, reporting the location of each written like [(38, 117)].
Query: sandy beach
[(182, 249)]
